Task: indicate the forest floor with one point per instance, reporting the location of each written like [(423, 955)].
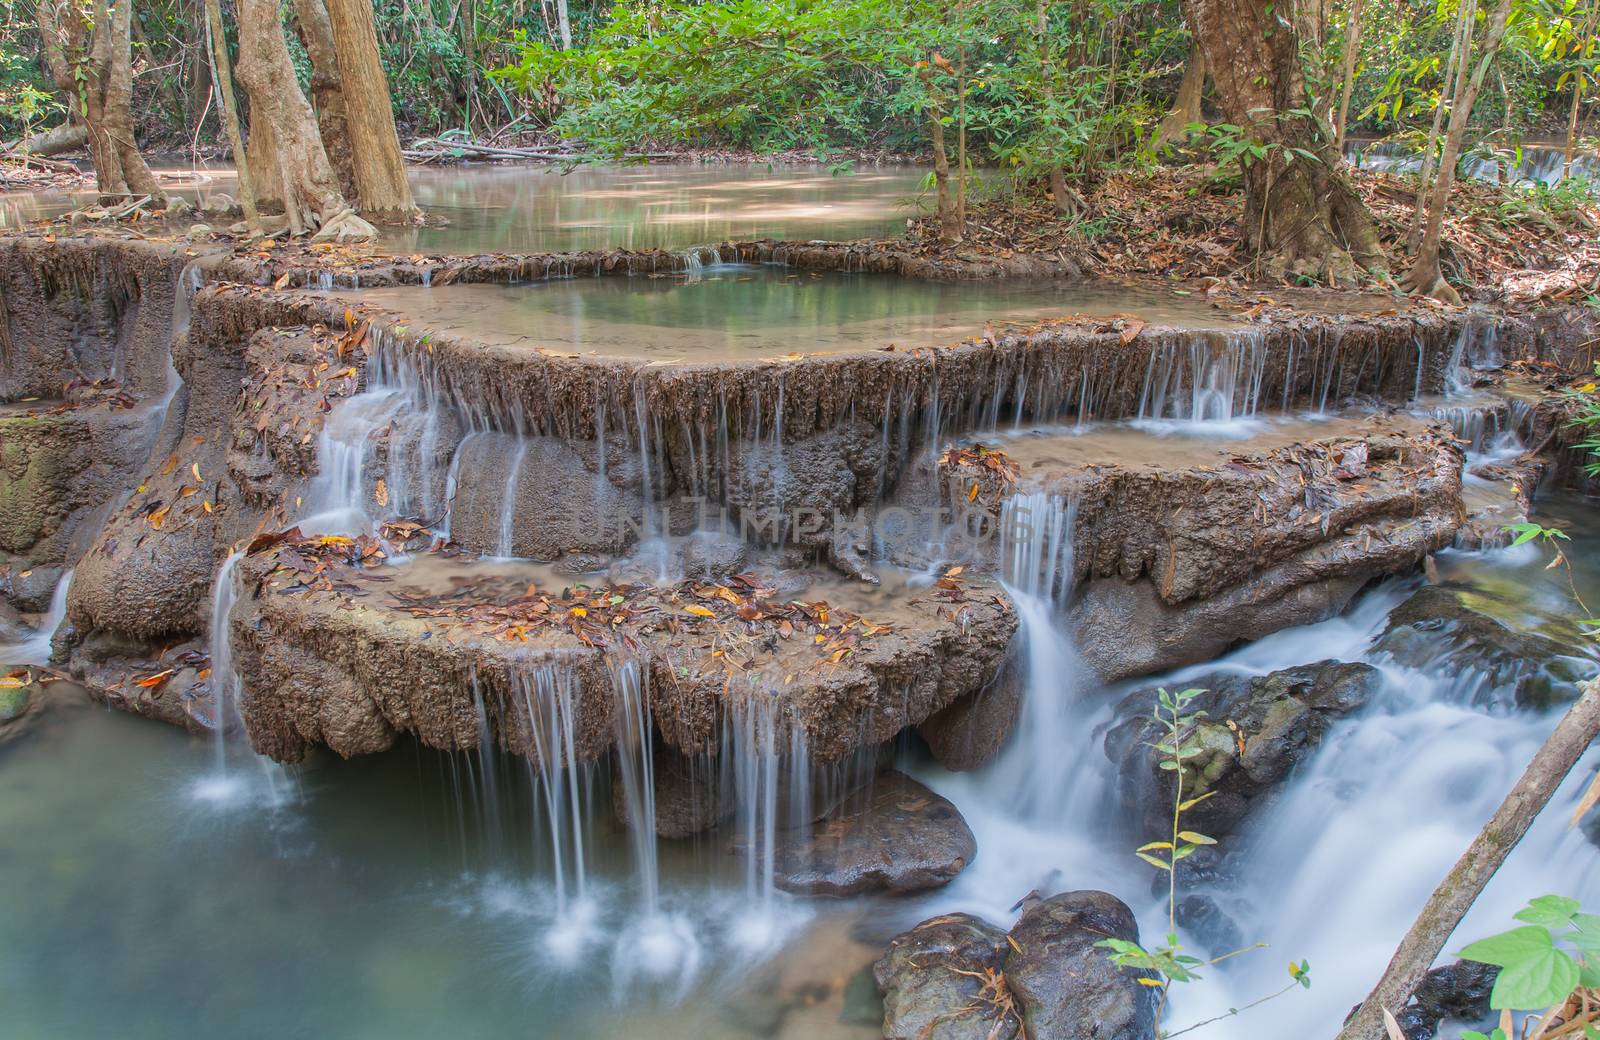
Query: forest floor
[(1184, 223)]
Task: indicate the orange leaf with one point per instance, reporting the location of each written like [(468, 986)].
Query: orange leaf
[(699, 611)]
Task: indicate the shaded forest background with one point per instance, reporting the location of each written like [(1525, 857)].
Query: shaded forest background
[(831, 77)]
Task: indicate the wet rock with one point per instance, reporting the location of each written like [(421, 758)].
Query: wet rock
[(708, 556), (1455, 992), (1212, 927), (58, 473), (971, 731), (1255, 730), (29, 588), (933, 979), (1064, 986), (218, 203), (197, 231), (150, 572), (896, 836), (13, 628), (310, 659), (1450, 631), (19, 693), (690, 795)]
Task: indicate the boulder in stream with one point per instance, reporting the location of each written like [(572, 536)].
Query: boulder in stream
[(1064, 986), (896, 836), (943, 980), (1255, 730)]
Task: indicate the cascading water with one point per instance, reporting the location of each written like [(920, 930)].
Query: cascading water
[(1205, 382), (1036, 564), (551, 692), (1333, 870), (771, 778), (35, 648), (653, 945), (255, 778)]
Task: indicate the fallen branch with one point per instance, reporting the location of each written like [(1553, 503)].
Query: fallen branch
[(1466, 880), (432, 148)]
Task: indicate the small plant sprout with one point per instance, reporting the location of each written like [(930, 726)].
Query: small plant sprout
[(1159, 968)]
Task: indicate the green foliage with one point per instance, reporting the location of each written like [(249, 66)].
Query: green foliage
[(1543, 963), (25, 99), (825, 75)]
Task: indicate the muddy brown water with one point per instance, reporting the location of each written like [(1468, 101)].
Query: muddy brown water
[(534, 209)]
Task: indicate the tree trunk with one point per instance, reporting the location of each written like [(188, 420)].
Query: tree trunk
[(1186, 106), (327, 95), (379, 169), (265, 177), (949, 217), (91, 61), (1463, 32), (564, 23), (1301, 214), (230, 111), (1580, 82), (1067, 201), (1466, 880), (311, 193), (1352, 44), (54, 141), (1424, 276)]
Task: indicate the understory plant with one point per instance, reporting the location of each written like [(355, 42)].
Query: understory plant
[(1159, 967), (1549, 973)]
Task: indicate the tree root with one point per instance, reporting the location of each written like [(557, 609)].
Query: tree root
[(345, 226)]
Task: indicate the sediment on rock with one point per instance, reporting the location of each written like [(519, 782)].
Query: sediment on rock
[(1172, 566)]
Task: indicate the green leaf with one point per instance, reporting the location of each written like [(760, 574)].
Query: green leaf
[(1198, 839), (1508, 948), (1549, 911), (1535, 983)]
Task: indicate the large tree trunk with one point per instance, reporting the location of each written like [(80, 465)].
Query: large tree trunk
[(311, 193), (1425, 276), (1466, 880), (1186, 106), (230, 111), (327, 94), (265, 177), (379, 168), (1302, 215), (91, 61)]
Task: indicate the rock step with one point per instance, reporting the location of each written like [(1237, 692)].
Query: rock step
[(333, 651)]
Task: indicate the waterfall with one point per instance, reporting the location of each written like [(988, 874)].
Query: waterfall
[(769, 764), (224, 678), (268, 783), (1200, 381), (35, 648), (508, 508), (1036, 564), (551, 692), (654, 945)]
